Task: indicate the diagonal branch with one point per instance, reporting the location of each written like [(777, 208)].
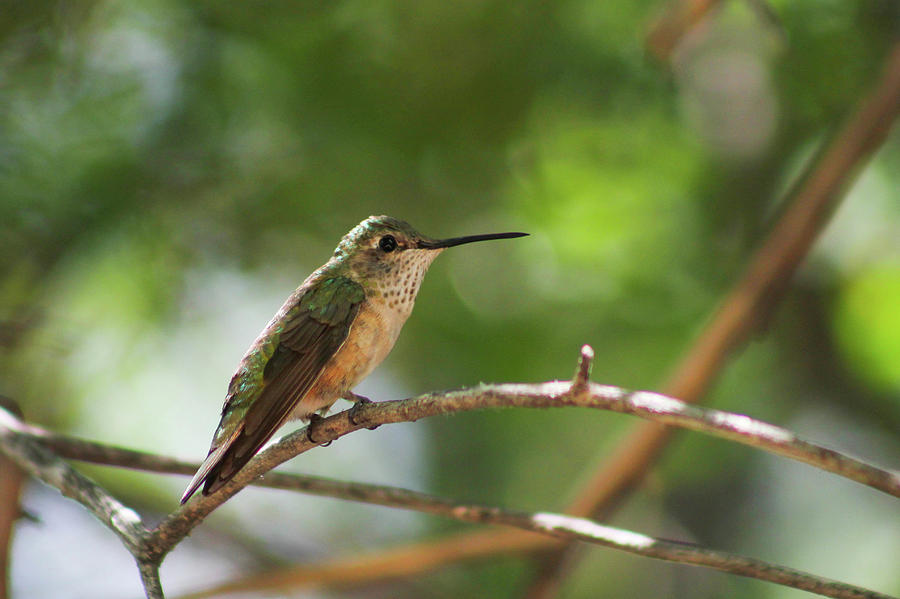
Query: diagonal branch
[(749, 303)]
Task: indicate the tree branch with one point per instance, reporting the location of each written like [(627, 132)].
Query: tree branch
[(149, 571), (741, 429), (772, 265), (30, 447), (751, 300), (567, 528), (44, 465), (17, 442), (579, 393)]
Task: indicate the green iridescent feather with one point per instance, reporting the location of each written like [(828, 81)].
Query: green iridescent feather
[(281, 366)]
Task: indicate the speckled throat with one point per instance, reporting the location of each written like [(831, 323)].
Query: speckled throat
[(397, 285)]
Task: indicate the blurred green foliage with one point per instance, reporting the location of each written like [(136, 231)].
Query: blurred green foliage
[(170, 169)]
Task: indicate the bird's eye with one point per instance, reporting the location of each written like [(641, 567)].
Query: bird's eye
[(387, 243)]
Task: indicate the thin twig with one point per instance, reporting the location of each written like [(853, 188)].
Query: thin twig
[(582, 377), (73, 448), (567, 527), (577, 529)]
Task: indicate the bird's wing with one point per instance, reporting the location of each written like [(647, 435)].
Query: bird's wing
[(315, 327)]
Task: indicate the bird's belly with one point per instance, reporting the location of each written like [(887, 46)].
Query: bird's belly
[(370, 339)]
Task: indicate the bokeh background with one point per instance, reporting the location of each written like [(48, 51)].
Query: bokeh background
[(171, 170)]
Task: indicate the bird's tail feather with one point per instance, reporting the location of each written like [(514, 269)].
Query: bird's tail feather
[(213, 460)]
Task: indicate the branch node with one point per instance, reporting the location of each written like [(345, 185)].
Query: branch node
[(582, 377)]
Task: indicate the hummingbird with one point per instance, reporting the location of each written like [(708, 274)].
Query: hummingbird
[(326, 338)]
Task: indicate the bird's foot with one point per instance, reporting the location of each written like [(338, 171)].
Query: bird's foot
[(314, 421), (358, 400)]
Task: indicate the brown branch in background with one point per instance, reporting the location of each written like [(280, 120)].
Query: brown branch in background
[(773, 264), (11, 478), (748, 304), (677, 20), (681, 17), (385, 564)]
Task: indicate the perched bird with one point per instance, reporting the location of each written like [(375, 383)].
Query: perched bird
[(328, 336)]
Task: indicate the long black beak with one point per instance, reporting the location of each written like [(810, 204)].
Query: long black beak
[(437, 244)]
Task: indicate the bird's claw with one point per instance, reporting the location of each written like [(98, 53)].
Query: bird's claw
[(314, 421), (358, 400)]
